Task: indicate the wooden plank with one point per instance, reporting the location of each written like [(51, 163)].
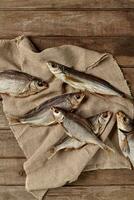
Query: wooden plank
[(94, 193), (12, 173), (105, 177), (120, 47), (15, 193), (9, 147), (69, 23), (67, 193), (65, 4)]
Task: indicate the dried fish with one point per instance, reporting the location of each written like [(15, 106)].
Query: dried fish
[(20, 84), (125, 127), (83, 81), (42, 115), (74, 128), (98, 124), (67, 143)]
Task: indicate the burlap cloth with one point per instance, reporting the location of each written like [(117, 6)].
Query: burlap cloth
[(43, 174)]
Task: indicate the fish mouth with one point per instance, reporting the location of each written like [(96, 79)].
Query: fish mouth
[(46, 85), (119, 114), (54, 109), (124, 131), (106, 114), (49, 63), (43, 84), (52, 64)]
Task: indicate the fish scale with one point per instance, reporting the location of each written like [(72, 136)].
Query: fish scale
[(84, 81), (20, 84), (98, 123), (76, 129), (42, 115)]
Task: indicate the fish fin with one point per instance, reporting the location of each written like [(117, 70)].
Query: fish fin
[(67, 149), (52, 152), (125, 147), (68, 134), (14, 124), (66, 131), (33, 125), (41, 125), (102, 96), (51, 79), (107, 148), (14, 121), (129, 97), (131, 165), (72, 79)]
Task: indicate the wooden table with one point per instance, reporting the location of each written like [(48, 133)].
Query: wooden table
[(100, 25)]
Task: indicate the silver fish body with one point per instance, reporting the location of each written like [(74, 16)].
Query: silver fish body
[(68, 143), (97, 123), (75, 129), (125, 127), (20, 84), (42, 115), (100, 122), (83, 81)]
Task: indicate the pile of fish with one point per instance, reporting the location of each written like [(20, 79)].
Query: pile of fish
[(61, 109)]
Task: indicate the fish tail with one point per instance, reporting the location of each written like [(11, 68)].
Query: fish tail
[(52, 153), (13, 120), (127, 96), (107, 148)]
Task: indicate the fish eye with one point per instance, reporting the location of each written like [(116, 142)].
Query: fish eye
[(124, 119), (53, 65), (56, 111), (78, 96), (105, 115), (40, 83)]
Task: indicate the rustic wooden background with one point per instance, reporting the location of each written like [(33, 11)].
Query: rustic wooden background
[(103, 25)]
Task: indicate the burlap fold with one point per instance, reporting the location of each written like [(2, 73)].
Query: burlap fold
[(43, 174)]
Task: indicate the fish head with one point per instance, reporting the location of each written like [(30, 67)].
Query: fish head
[(76, 99), (104, 117), (58, 114), (124, 122), (37, 85), (56, 68)]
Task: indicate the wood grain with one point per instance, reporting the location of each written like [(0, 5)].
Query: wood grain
[(94, 193), (105, 177), (12, 173), (67, 193), (69, 23), (14, 193), (93, 24), (65, 4), (9, 147), (120, 47)]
